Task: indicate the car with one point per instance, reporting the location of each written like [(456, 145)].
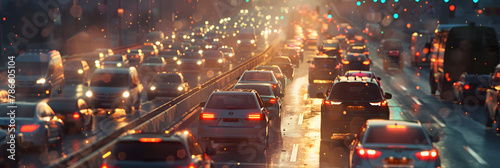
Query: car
[(234, 116), (135, 57), (103, 52), (356, 61), (176, 46), (38, 124), (285, 65), (92, 59), (75, 113), (387, 45), (176, 149), (361, 74), (149, 50), (167, 84), (492, 101), (292, 54), (115, 61), (277, 73), (271, 101), (358, 48), (217, 43), (153, 65), (330, 47), (470, 89), (77, 70), (262, 76), (389, 143), (324, 67), (112, 88), (170, 55), (228, 53), (214, 59), (191, 60), (348, 102), (39, 73), (10, 156)]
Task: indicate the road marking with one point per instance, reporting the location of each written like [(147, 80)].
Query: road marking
[(415, 99), (294, 153), (301, 118), (441, 124), (402, 87), (476, 156)]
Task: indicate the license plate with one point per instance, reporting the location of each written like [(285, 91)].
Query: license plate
[(230, 120), (399, 162), (355, 108)]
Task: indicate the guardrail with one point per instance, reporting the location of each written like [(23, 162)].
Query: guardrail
[(164, 117)]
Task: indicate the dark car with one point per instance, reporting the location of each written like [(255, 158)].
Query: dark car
[(191, 60), (135, 57), (214, 59), (75, 113), (167, 84), (492, 102), (356, 61), (330, 48), (349, 102), (153, 65), (76, 70), (470, 89), (285, 65), (149, 50), (292, 54), (324, 68), (170, 55), (358, 48), (177, 149)]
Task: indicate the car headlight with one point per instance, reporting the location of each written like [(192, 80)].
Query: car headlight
[(200, 51), (41, 81), (80, 71), (119, 65), (157, 43), (126, 94), (220, 60), (153, 88), (252, 41), (239, 41), (180, 88), (179, 62), (192, 40), (199, 62), (175, 58), (88, 94), (97, 61)]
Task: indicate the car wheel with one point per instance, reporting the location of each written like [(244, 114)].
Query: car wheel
[(489, 120)]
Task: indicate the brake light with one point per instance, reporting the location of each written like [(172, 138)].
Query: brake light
[(279, 76), (192, 166), (274, 86), (136, 56), (366, 53), (466, 87), (382, 103), (150, 140), (272, 100), (345, 62), (76, 115), (366, 62), (104, 166), (417, 54), (396, 126), (327, 102), (430, 155), (207, 116), (254, 116), (152, 53), (29, 128), (368, 153), (341, 51)]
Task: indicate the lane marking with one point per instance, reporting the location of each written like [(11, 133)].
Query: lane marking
[(441, 124), (301, 118), (415, 99), (402, 87), (476, 156), (294, 153)]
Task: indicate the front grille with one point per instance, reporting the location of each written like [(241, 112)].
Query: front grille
[(107, 95)]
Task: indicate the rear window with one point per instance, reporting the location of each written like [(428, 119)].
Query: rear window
[(262, 90), (333, 52), (358, 74), (398, 134), (359, 57), (112, 58), (274, 69), (110, 80), (325, 62), (356, 91), (257, 76), (150, 152), (329, 45), (62, 106), (356, 49), (21, 111), (231, 101)]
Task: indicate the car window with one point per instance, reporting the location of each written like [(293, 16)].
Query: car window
[(150, 152), (232, 101), (31, 68), (271, 68), (356, 91), (325, 62), (355, 57), (261, 89), (110, 80), (62, 106), (21, 112), (257, 76), (396, 134), (359, 74)]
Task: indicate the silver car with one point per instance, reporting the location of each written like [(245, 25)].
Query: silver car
[(36, 122), (277, 73), (233, 116), (262, 76)]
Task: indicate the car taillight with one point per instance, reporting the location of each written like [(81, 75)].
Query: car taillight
[(136, 56), (368, 153), (382, 103), (76, 115), (255, 116), (417, 54), (152, 53), (466, 87), (29, 127), (149, 140), (272, 100), (430, 155), (105, 166), (366, 62), (207, 116), (341, 51), (279, 76), (192, 166), (345, 62), (274, 86)]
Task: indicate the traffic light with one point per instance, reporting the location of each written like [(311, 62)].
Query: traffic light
[(358, 3), (396, 0), (417, 0), (446, 1), (382, 1), (396, 15), (330, 14), (452, 11), (374, 0)]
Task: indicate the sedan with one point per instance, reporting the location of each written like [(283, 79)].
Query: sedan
[(75, 113), (277, 73), (116, 61), (285, 65), (191, 60), (167, 84), (262, 76), (37, 122), (356, 61), (76, 70), (153, 65)]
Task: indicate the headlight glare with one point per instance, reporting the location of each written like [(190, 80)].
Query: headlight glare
[(126, 94), (88, 94), (153, 88), (199, 62), (80, 71), (41, 81), (180, 88)]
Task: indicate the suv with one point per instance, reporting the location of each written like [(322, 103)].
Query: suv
[(115, 88), (177, 149), (234, 116), (350, 101), (262, 76), (167, 84), (358, 48), (324, 67), (39, 72)]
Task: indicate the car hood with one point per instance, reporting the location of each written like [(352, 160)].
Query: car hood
[(95, 89)]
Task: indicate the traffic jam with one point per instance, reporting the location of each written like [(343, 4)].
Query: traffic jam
[(253, 83)]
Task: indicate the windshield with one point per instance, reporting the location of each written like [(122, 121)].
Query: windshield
[(351, 91), (150, 152), (161, 78), (62, 106), (396, 135), (110, 80), (232, 101), (262, 90), (32, 68)]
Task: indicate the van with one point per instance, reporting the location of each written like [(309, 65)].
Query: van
[(39, 72)]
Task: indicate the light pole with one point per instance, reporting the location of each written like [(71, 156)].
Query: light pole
[(120, 15)]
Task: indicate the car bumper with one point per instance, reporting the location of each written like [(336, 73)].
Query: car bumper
[(109, 103)]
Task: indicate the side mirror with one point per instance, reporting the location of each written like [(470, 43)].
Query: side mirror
[(388, 96), (202, 104), (379, 78), (320, 95), (349, 138)]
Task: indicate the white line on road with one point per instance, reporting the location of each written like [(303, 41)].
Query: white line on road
[(402, 87), (441, 124), (301, 118), (415, 99), (294, 153), (476, 156)]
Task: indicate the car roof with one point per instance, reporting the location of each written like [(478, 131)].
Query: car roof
[(255, 84), (358, 71), (258, 71), (381, 123)]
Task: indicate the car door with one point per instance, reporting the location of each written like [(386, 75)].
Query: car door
[(47, 119)]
